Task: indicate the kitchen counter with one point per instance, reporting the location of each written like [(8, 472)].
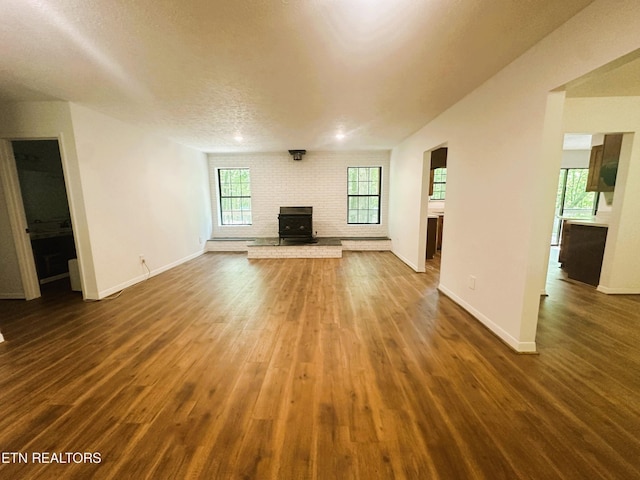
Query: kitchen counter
[(587, 222)]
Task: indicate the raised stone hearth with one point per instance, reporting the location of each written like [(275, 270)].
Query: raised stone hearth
[(272, 248), (329, 244)]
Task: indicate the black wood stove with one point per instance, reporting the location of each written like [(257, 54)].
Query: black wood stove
[(295, 223)]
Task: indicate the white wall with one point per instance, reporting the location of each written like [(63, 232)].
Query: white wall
[(318, 180), (130, 192), (143, 194), (503, 151), (621, 263)]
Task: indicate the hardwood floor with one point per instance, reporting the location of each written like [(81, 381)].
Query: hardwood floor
[(316, 369)]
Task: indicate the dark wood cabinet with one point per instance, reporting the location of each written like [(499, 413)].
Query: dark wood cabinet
[(432, 236), (582, 251), (52, 255), (435, 223), (565, 238), (595, 164), (603, 164)]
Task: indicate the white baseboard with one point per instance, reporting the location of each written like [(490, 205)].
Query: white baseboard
[(518, 346), (405, 260), (618, 291), (169, 266), (156, 271), (12, 296)]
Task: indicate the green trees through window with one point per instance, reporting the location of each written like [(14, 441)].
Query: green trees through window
[(363, 194), (572, 198), (234, 186), (439, 183)]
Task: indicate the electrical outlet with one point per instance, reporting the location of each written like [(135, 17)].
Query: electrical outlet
[(472, 282), (141, 258), (200, 240)]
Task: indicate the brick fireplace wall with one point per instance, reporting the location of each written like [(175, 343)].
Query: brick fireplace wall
[(318, 180)]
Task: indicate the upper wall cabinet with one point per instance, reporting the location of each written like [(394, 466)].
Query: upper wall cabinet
[(603, 164)]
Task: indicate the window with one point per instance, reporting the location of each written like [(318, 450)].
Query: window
[(572, 199), (363, 189), (235, 196), (439, 183)]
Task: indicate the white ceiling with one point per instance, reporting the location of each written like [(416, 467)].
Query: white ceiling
[(283, 74), (577, 141)]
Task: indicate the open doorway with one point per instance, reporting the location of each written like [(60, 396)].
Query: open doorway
[(584, 203), (436, 202), (604, 103), (46, 209)]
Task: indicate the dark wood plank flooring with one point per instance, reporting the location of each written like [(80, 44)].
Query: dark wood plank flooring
[(316, 369)]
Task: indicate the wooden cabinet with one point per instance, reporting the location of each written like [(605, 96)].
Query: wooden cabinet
[(432, 236), (582, 251), (565, 240), (603, 164), (435, 223), (595, 164)]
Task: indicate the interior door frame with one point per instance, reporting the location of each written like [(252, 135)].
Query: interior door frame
[(18, 221)]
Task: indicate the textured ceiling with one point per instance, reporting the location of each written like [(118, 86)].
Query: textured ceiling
[(281, 73)]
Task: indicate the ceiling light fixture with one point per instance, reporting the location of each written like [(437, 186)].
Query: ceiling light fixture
[(340, 136), (238, 138)]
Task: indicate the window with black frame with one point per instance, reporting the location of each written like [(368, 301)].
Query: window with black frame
[(234, 187), (572, 199), (363, 195), (439, 183)]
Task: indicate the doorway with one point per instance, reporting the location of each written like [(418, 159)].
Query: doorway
[(435, 208), (46, 209)]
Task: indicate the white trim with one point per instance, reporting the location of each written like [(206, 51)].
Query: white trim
[(227, 245), (405, 260), (295, 251), (618, 291), (12, 296), (18, 221), (110, 291), (520, 347)]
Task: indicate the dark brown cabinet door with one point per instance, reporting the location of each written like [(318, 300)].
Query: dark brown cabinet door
[(583, 260), (603, 164)]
